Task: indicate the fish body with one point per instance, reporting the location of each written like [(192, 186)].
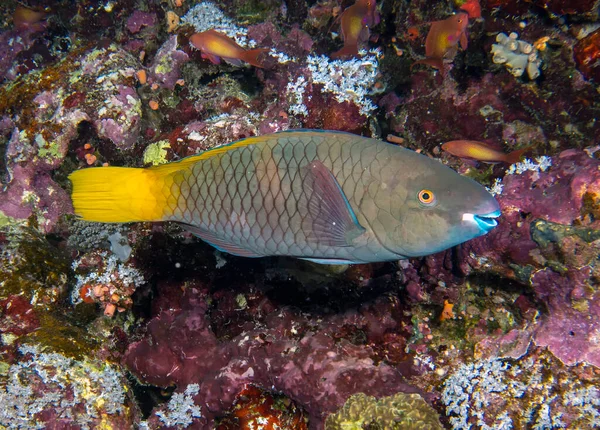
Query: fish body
[(328, 197), (355, 23), (443, 39), (25, 18), (481, 152), (215, 45)]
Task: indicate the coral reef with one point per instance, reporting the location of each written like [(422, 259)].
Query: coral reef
[(502, 331), (44, 111), (181, 409), (48, 389), (553, 251), (494, 393)]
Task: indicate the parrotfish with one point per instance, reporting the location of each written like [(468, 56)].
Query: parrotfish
[(215, 45), (356, 21), (482, 152), (443, 39), (328, 197)]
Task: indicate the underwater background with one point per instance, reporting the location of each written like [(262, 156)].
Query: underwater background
[(143, 325)]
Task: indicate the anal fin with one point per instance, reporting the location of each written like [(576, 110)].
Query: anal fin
[(330, 261)]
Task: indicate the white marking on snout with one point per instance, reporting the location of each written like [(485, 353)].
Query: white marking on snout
[(468, 217)]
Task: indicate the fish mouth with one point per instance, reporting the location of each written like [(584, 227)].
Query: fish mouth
[(484, 222)]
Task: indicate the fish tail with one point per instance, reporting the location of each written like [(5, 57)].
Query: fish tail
[(255, 57), (436, 63), (348, 50), (515, 156), (123, 194)]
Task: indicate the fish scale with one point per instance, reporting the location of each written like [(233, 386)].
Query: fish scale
[(257, 207), (326, 196)]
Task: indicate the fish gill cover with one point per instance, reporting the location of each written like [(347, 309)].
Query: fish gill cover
[(145, 325)]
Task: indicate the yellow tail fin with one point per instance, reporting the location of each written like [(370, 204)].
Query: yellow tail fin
[(124, 194)]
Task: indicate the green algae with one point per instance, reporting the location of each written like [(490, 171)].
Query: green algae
[(59, 335), (50, 150), (31, 267), (545, 232), (253, 11), (484, 176), (7, 221), (398, 412), (156, 153), (523, 273)]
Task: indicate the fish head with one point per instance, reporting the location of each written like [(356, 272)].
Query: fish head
[(434, 208), (459, 22)]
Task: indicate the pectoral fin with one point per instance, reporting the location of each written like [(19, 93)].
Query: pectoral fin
[(212, 58), (217, 242), (331, 219), (464, 42)]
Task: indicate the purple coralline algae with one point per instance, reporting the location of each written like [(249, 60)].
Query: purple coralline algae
[(140, 19), (290, 353), (41, 115), (165, 69), (547, 239)]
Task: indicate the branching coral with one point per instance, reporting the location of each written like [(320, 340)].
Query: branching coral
[(496, 394), (49, 388), (205, 16), (349, 81)]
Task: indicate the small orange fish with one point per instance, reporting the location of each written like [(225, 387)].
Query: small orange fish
[(24, 18), (215, 45), (356, 21), (482, 152), (443, 39), (447, 312), (412, 33)]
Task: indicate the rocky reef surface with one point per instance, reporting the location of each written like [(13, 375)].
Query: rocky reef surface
[(143, 325)]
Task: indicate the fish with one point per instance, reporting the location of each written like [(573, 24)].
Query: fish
[(323, 196), (443, 39), (25, 18), (482, 152), (355, 23), (215, 45)]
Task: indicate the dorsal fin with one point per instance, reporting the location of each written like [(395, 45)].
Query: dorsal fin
[(187, 161)]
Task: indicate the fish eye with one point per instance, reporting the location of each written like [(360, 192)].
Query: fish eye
[(426, 197)]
